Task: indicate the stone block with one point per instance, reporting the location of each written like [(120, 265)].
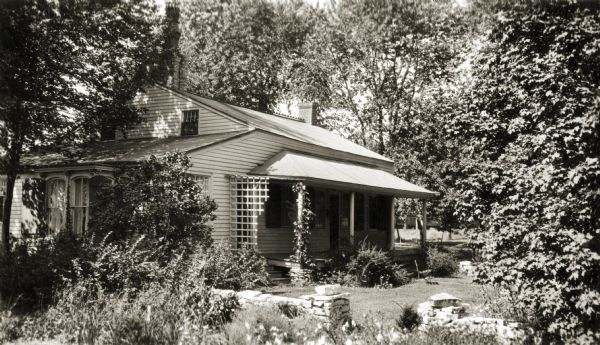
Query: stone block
[(328, 298), (248, 294), (443, 300), (328, 290)]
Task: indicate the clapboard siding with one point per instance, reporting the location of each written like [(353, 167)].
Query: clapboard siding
[(164, 110), (238, 157), (15, 210)]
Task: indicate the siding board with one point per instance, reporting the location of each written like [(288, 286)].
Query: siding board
[(164, 109)]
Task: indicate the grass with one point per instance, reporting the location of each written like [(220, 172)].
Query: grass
[(388, 302)]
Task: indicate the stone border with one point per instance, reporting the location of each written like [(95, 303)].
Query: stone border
[(328, 304)]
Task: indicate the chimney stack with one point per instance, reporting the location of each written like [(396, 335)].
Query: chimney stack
[(308, 112)]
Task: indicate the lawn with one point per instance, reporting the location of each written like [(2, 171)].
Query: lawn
[(387, 302)]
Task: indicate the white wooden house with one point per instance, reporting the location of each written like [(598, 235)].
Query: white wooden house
[(246, 160)]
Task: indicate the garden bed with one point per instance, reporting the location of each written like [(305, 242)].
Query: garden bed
[(387, 302)]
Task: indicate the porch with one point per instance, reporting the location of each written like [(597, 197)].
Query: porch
[(351, 203)]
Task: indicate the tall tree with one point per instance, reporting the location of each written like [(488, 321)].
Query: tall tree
[(242, 52), (67, 72), (530, 134), (378, 69)]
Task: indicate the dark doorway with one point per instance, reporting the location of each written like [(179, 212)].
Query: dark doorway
[(334, 221)]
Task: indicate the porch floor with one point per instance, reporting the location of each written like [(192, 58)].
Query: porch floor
[(283, 259)]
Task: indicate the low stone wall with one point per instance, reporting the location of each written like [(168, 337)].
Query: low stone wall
[(328, 302), (447, 311)]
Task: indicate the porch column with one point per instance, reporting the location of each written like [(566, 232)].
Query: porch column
[(352, 218), (392, 223), (424, 229)]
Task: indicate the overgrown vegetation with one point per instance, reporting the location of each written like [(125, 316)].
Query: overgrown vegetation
[(441, 263), (149, 281), (366, 265), (530, 137)]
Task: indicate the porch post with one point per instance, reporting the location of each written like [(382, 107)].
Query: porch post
[(424, 229), (352, 218), (392, 223)]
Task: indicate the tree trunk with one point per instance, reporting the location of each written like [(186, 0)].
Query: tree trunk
[(12, 169), (10, 185)]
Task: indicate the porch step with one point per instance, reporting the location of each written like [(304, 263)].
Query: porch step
[(282, 280), (276, 275)]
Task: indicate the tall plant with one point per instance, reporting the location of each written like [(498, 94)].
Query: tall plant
[(302, 227), (532, 162)]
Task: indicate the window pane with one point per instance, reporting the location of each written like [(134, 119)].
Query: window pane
[(79, 199), (273, 206), (56, 204), (189, 125)]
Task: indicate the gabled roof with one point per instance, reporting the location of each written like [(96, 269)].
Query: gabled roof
[(286, 127), (294, 165), (132, 150)]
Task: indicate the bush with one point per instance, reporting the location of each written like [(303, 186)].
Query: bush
[(158, 199), (409, 319), (157, 315), (371, 266), (441, 263), (35, 268), (221, 267)]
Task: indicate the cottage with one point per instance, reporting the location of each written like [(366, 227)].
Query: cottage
[(246, 160)]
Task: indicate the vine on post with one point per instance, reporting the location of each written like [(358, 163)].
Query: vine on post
[(302, 227)]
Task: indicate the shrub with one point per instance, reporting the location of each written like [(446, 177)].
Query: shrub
[(35, 268), (409, 319), (371, 266), (441, 263), (157, 315), (221, 267), (158, 199)]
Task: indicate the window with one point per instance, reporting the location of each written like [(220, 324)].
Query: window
[(203, 181), (379, 213), (359, 212), (280, 206), (56, 202), (79, 202), (2, 197), (318, 206), (189, 125)]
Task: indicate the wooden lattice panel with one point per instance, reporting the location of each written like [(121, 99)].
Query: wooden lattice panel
[(248, 196)]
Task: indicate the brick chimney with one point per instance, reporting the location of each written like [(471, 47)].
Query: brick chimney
[(308, 112)]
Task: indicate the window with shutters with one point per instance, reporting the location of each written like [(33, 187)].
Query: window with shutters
[(189, 125)]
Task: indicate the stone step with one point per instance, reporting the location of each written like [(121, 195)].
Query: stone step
[(282, 280)]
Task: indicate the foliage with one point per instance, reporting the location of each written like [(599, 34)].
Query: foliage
[(221, 267), (68, 72), (409, 319), (36, 268), (531, 156), (158, 315), (441, 262), (158, 199), (302, 228), (371, 266), (242, 52)]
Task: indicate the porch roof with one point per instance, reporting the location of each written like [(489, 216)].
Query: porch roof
[(293, 165)]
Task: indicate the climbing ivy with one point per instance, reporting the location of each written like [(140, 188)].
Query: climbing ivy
[(302, 227)]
